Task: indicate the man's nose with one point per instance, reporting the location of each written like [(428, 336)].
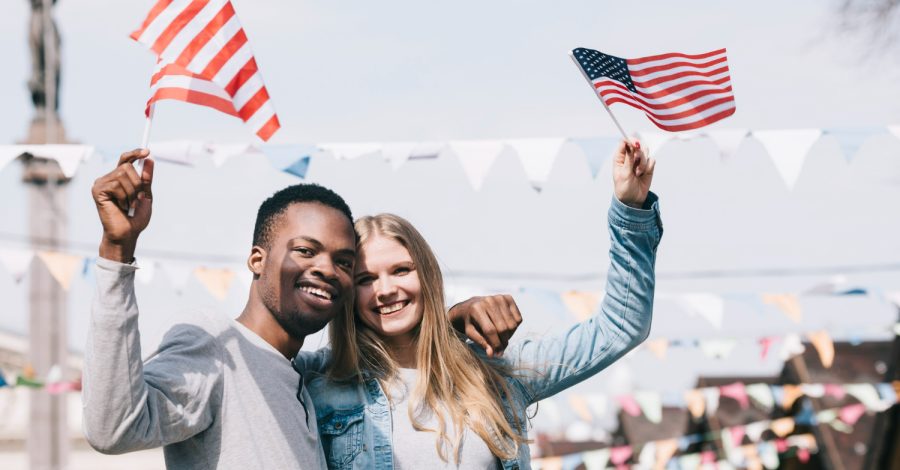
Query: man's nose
[(324, 268)]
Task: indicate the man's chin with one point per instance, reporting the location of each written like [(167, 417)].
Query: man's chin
[(299, 325)]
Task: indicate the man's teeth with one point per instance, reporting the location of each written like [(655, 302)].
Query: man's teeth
[(391, 308), (316, 292)]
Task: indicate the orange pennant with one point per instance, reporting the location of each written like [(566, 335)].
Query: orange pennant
[(789, 304), (821, 340)]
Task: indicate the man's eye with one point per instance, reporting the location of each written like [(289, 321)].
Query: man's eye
[(303, 251), (345, 263)]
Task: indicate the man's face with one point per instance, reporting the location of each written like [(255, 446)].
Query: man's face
[(306, 276)]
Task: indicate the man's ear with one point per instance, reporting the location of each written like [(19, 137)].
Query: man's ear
[(256, 261)]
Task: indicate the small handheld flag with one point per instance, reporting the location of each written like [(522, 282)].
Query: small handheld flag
[(676, 91), (205, 59)]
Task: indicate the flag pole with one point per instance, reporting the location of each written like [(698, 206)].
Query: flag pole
[(591, 84), (145, 141)]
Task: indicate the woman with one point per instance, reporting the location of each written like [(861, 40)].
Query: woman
[(402, 390)]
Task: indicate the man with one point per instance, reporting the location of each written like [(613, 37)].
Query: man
[(222, 393)]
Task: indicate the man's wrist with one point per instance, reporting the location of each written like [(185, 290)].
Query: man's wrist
[(122, 252)]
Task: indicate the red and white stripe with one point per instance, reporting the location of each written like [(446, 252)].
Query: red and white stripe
[(205, 43), (677, 91)]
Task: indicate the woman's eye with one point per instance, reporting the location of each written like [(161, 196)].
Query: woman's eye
[(401, 271), (363, 280)]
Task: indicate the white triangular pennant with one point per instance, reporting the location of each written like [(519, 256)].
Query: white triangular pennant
[(146, 270), (709, 306), (728, 140), (596, 459), (711, 395), (651, 405), (8, 153), (54, 375), (216, 280), (788, 150), (894, 130), (717, 348), (178, 273), (16, 262), (351, 150), (182, 152), (397, 152), (790, 347), (69, 157), (427, 150), (537, 156), (221, 153), (476, 158), (761, 394)]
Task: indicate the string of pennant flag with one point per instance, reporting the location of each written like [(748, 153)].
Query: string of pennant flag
[(705, 401), (658, 455), (787, 148)]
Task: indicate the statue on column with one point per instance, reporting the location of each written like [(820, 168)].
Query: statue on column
[(42, 66)]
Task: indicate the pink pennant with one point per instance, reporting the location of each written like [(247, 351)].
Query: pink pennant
[(618, 455), (736, 391), (781, 445), (60, 387), (835, 390), (737, 435), (803, 455), (630, 405), (764, 345), (850, 414), (707, 457)]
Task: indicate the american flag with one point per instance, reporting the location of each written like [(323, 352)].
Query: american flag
[(205, 59), (676, 91)]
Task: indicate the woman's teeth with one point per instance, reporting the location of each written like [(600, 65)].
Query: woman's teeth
[(388, 309), (316, 292)]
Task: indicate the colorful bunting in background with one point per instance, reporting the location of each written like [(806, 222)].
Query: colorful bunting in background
[(62, 266), (619, 455), (16, 262), (821, 340), (790, 394), (790, 346), (764, 345), (717, 348), (629, 405), (653, 141), (737, 392), (761, 394), (3, 382), (596, 459), (351, 150), (696, 402), (849, 139), (789, 304), (580, 407), (582, 304), (216, 281), (650, 404), (292, 159), (789, 149), (597, 151), (658, 347), (709, 306)]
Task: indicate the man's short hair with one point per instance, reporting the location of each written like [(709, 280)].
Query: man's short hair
[(272, 208)]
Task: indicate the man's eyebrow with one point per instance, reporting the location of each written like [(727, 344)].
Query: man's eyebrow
[(319, 246)]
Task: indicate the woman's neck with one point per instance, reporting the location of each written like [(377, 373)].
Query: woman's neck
[(403, 351)]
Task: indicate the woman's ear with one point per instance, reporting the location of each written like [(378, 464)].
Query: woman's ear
[(256, 261)]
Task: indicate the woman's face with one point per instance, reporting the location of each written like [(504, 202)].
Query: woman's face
[(388, 292)]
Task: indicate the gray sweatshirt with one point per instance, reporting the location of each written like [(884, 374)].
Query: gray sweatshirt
[(214, 394)]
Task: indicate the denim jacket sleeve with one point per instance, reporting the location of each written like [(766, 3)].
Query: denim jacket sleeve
[(549, 365)]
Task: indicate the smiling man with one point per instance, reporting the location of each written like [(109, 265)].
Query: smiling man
[(218, 393), (222, 392)]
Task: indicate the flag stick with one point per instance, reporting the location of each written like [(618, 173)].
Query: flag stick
[(591, 84), (145, 141)]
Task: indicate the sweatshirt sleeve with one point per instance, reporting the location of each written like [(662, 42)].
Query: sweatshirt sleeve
[(129, 405)]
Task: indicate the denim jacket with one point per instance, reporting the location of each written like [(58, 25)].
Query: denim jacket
[(355, 418)]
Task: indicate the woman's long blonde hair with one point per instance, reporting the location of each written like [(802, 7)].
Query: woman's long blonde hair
[(454, 383)]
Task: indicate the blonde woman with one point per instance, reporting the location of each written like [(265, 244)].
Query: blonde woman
[(404, 391)]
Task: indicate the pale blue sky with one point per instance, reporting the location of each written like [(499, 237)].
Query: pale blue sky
[(408, 70)]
